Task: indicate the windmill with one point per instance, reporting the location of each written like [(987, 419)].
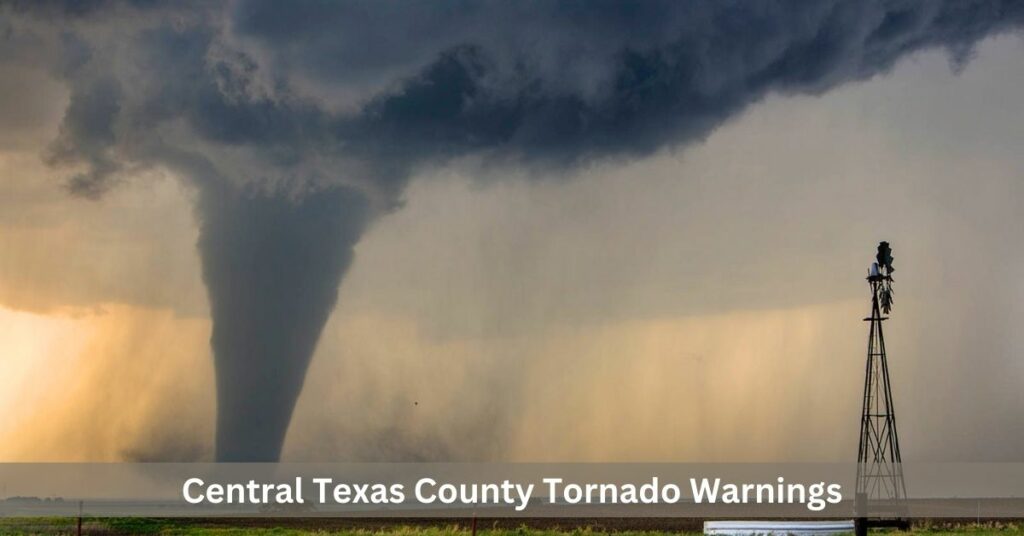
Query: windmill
[(879, 469)]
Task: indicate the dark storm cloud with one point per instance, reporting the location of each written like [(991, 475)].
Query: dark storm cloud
[(505, 77), (553, 83), (242, 103), (88, 133)]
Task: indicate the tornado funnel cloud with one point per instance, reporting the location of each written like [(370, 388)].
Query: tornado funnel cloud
[(250, 102), (272, 266)]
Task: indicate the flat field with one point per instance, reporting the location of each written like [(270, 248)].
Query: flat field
[(366, 527)]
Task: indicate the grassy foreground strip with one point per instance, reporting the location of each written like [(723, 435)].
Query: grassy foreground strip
[(171, 527)]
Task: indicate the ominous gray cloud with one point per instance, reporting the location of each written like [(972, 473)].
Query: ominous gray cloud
[(298, 122)]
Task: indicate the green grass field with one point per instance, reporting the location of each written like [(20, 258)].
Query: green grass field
[(170, 527)]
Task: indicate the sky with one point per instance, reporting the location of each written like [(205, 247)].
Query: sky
[(633, 289)]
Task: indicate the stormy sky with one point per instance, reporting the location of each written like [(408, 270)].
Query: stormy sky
[(506, 231)]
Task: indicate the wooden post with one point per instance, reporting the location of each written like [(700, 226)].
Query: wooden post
[(80, 518)]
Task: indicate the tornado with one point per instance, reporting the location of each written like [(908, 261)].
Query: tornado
[(291, 116), (272, 266)]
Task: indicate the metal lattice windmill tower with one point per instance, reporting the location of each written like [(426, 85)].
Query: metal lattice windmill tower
[(879, 470)]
